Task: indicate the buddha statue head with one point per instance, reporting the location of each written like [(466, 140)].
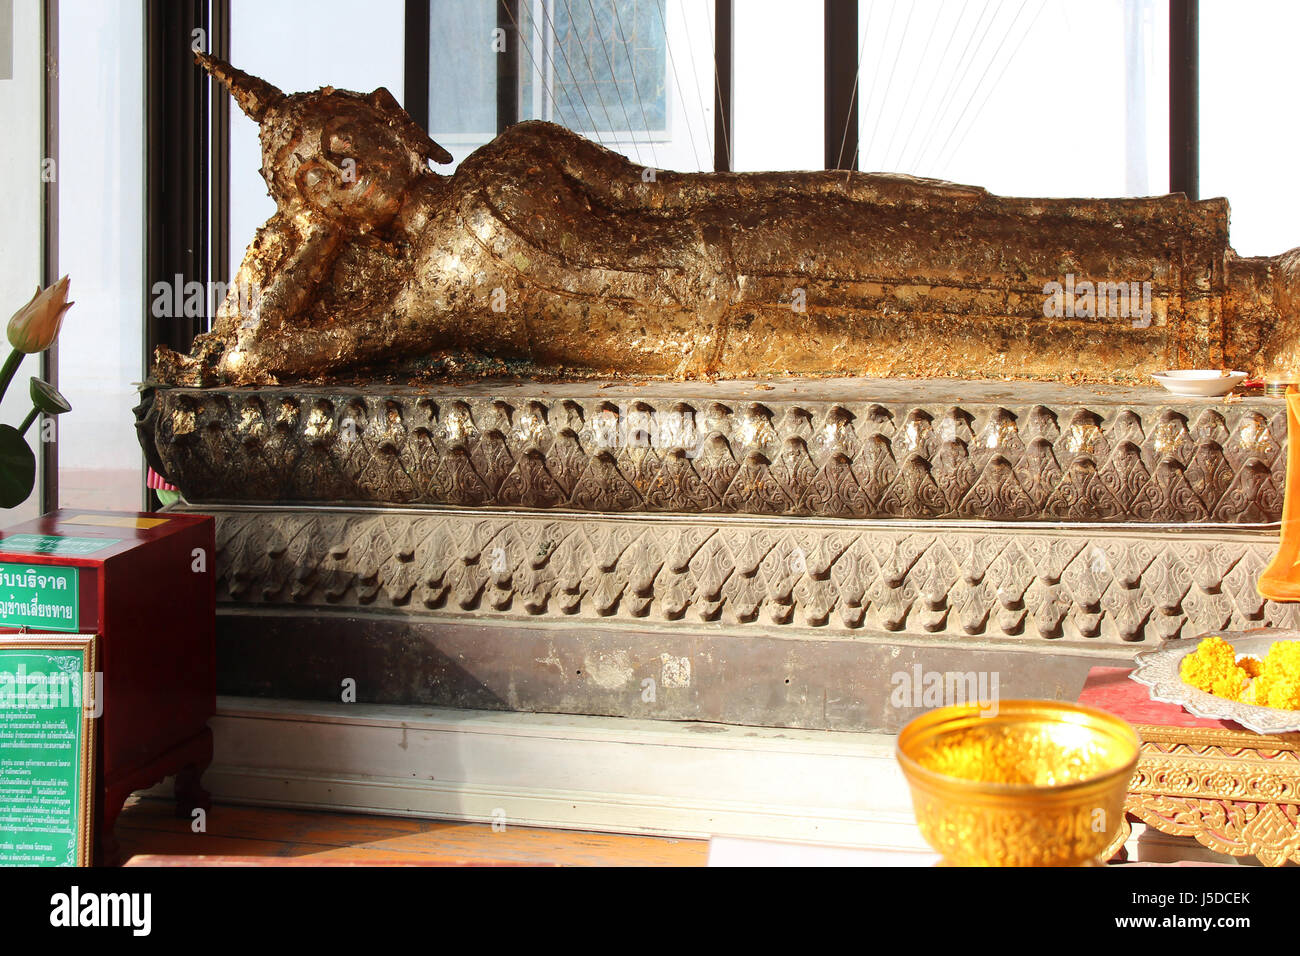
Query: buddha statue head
[(350, 158)]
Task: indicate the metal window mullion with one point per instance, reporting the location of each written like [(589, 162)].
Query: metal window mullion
[(415, 64), (48, 492), (1184, 107), (840, 70), (509, 65), (723, 133)]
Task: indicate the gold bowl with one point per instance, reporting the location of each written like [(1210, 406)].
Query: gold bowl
[(1040, 783)]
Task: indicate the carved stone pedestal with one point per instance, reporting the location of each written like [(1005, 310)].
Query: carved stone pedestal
[(782, 622), (734, 552), (850, 448)]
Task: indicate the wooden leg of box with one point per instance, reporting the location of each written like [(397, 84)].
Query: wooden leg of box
[(187, 762), (190, 795), (107, 850)]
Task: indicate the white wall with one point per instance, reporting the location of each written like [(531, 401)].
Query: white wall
[(20, 225)]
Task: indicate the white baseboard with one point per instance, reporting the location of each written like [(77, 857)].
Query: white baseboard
[(611, 774), (546, 770)]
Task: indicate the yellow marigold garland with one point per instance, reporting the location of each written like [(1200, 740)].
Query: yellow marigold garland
[(1273, 682)]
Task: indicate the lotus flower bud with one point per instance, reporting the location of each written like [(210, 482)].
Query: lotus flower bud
[(35, 326)]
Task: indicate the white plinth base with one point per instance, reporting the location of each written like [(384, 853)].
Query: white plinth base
[(690, 780), (591, 773)]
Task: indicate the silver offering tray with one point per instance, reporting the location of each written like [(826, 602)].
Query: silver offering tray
[(1158, 670)]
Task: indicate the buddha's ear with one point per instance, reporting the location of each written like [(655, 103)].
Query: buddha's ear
[(383, 100)]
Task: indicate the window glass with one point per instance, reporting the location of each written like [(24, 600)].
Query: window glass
[(603, 69), (299, 47), (636, 76), (101, 246), (463, 52), (1024, 97), (1248, 70), (778, 82)]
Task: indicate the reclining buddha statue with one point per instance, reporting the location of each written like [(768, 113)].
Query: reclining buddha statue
[(550, 252)]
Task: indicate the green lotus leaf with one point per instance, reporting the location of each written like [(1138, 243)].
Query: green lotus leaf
[(17, 468)]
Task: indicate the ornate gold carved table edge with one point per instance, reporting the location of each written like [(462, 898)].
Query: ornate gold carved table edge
[(1235, 791)]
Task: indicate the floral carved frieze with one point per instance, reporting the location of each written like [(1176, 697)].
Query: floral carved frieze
[(1235, 791), (1233, 797), (1017, 583), (1069, 459), (1268, 831)]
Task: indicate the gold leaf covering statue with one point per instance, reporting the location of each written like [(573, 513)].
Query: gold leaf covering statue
[(547, 250)]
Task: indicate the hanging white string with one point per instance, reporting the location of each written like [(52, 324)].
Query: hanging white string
[(699, 87), (600, 98), (869, 93), (934, 75), (964, 113), (893, 70), (573, 79), (545, 104), (595, 26), (959, 77), (539, 74), (961, 114), (636, 87), (935, 125), (681, 95), (956, 151), (907, 101)]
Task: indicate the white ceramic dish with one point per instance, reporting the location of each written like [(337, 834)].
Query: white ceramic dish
[(1200, 382)]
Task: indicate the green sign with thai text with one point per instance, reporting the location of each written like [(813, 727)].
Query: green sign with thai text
[(48, 698), (39, 597)]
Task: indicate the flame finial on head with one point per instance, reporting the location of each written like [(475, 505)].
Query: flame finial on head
[(254, 95)]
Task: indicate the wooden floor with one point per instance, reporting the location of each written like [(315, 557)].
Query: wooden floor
[(150, 835)]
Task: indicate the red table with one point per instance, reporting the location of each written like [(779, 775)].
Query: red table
[(146, 586), (1235, 791)]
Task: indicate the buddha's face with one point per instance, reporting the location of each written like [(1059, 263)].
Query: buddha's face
[(349, 158)]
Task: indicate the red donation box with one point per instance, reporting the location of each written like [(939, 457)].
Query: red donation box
[(144, 583)]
